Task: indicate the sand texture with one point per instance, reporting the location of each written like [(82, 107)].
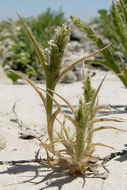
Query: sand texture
[(22, 116)]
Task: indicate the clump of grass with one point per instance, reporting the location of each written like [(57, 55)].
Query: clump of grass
[(77, 156), (51, 61), (78, 151), (78, 147)]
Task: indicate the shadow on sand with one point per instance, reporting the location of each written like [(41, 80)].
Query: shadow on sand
[(43, 174)]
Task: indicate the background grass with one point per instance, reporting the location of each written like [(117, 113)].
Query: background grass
[(17, 49)]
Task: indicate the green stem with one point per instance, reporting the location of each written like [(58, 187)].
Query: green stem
[(79, 143), (49, 104)]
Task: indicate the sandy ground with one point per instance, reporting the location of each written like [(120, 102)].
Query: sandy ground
[(28, 117)]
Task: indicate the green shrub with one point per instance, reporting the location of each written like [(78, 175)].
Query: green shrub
[(17, 50)]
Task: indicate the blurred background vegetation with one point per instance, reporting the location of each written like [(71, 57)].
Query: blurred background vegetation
[(17, 52), (16, 48)]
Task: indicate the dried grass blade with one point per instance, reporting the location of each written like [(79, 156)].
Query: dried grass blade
[(49, 160), (100, 108), (93, 101), (100, 144), (78, 61), (69, 105), (75, 123), (102, 120), (69, 147), (59, 121), (32, 84), (67, 132), (37, 48), (57, 104), (106, 119), (99, 88), (102, 128)]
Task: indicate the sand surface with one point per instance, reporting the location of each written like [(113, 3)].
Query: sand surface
[(22, 113)]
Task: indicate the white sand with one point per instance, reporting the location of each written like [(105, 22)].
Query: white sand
[(30, 111)]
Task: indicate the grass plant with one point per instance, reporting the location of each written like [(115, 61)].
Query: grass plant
[(79, 148), (51, 61), (77, 156), (118, 22)]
